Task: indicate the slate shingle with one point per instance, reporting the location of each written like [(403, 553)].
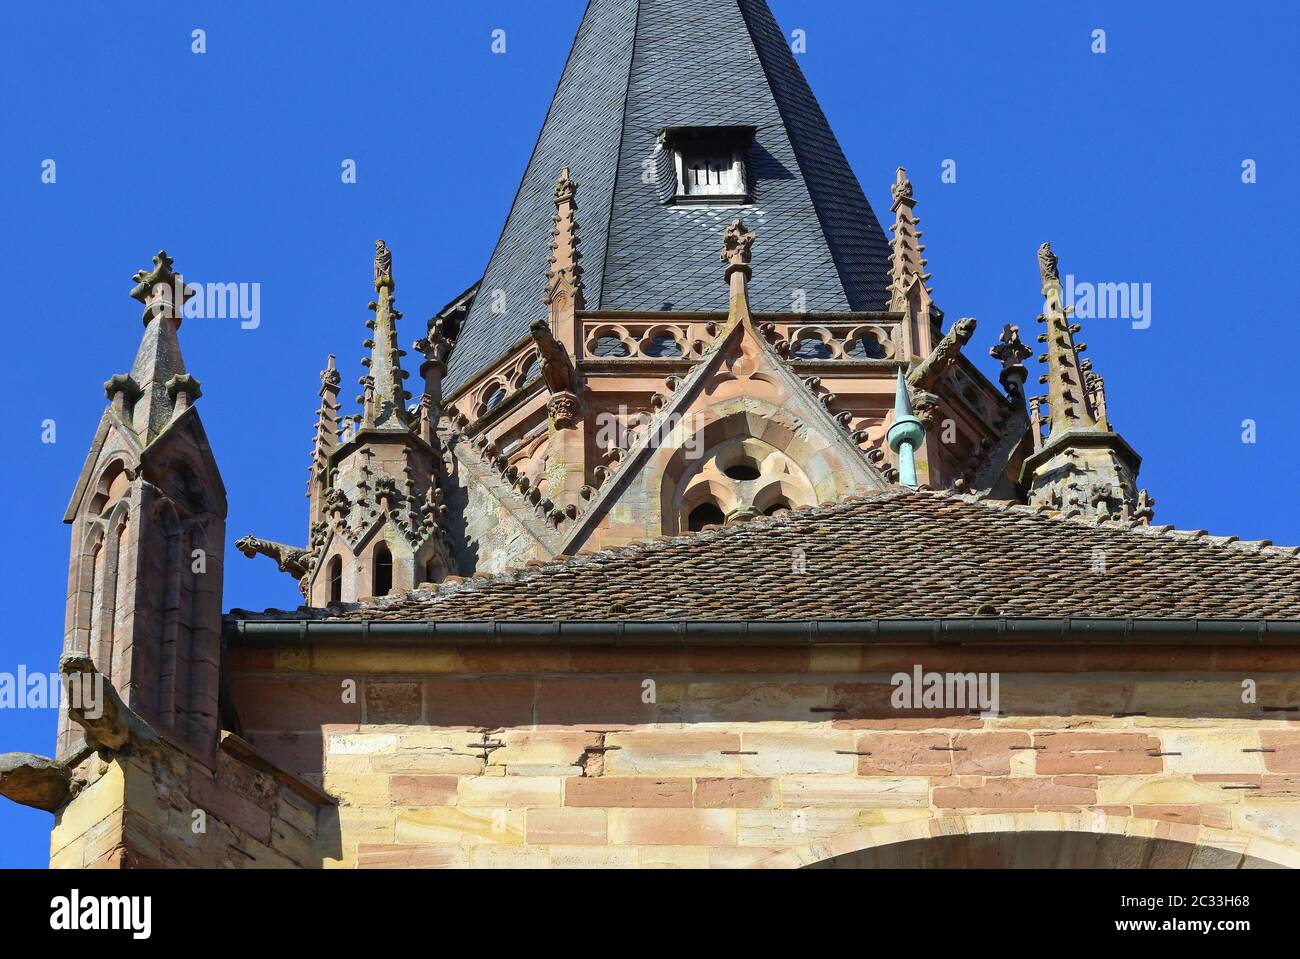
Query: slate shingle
[(637, 67)]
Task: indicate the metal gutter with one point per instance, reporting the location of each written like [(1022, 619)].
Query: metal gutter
[(954, 630)]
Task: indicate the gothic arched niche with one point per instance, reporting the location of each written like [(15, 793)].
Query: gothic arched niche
[(181, 483), (113, 484)]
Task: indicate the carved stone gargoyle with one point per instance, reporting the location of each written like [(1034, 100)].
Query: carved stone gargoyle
[(110, 724), (561, 378), (291, 559), (929, 370), (35, 781)]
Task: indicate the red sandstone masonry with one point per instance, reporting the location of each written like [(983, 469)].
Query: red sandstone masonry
[(292, 701), (1105, 753), (423, 790), (1169, 813), (297, 752), (735, 793), (617, 791), (232, 809), (910, 754), (1286, 759), (473, 702), (1012, 794), (986, 754), (393, 702), (598, 701)]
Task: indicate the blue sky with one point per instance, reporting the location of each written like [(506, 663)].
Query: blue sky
[(1129, 161)]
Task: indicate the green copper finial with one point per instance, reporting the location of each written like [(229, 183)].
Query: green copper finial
[(905, 434)]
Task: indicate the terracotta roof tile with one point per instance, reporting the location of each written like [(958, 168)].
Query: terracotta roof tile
[(893, 554)]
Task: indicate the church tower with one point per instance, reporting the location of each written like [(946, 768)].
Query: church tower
[(1082, 467), (603, 387), (148, 519), (374, 491), (606, 382)]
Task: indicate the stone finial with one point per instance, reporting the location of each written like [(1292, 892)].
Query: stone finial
[(145, 280), (902, 186), (1144, 509), (907, 276), (737, 242), (566, 188), (384, 394), (434, 345), (383, 266), (326, 438), (564, 269), (1082, 467), (1011, 352), (329, 377), (1048, 265), (162, 291)]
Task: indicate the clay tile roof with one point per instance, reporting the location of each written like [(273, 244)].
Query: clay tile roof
[(893, 554)]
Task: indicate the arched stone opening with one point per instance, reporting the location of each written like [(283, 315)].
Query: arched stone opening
[(1084, 840), (1041, 850)]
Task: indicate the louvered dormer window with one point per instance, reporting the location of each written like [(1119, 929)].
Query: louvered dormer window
[(709, 164)]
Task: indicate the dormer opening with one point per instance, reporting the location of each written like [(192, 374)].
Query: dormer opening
[(710, 163)]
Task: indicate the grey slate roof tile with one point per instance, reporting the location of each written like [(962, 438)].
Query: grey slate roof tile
[(638, 66)]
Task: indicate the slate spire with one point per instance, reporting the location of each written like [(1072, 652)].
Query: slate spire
[(158, 378), (1082, 467), (383, 397), (640, 72), (1067, 398)]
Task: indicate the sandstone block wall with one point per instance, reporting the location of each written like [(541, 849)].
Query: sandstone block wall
[(773, 757), (159, 807)]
